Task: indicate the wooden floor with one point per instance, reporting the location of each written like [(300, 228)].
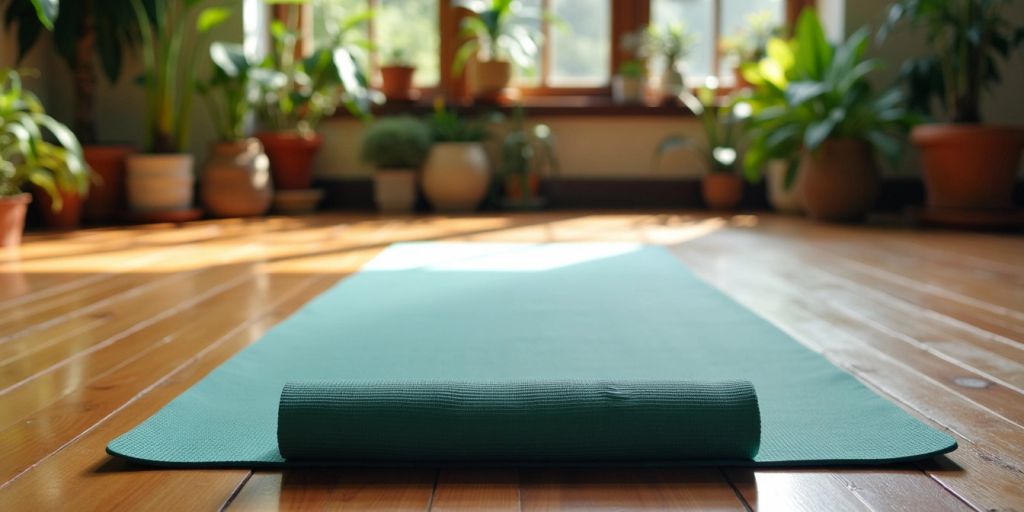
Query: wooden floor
[(100, 328)]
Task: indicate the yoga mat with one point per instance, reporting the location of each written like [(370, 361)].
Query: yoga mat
[(525, 422), (479, 313)]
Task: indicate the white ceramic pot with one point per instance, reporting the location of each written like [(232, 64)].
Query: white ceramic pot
[(394, 190), (628, 90), (456, 176), (160, 182), (489, 78), (780, 197)]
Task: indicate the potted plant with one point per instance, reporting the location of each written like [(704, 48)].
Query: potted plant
[(526, 155), (629, 83), (82, 34), (304, 91), (498, 31), (456, 175), (396, 77), (750, 43), (28, 156), (160, 180), (839, 122), (721, 186), (236, 176), (397, 147), (671, 43), (970, 168)]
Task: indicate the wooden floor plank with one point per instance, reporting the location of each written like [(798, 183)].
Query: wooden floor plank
[(399, 490), (469, 490)]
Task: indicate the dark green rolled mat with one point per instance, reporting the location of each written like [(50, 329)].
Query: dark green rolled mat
[(528, 421)]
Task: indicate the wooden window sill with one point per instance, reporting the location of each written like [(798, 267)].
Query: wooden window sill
[(549, 106)]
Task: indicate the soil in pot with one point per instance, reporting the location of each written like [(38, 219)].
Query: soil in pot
[(70, 214), (107, 193), (839, 181), (396, 82), (291, 157), (160, 182), (722, 190), (972, 167), (236, 179), (12, 218), (456, 176)]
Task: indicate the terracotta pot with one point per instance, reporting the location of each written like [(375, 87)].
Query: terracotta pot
[(522, 186), (782, 198), (969, 166), (456, 176), (396, 82), (236, 179), (489, 78), (160, 182), (722, 190), (394, 190), (839, 181), (291, 158), (12, 218), (628, 90), (70, 214), (106, 193)]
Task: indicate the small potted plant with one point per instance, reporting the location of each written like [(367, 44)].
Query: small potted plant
[(629, 84), (970, 168), (305, 91), (456, 176), (236, 176), (498, 31), (527, 153), (672, 44), (721, 186), (87, 39), (396, 146), (28, 156), (750, 43), (161, 180), (396, 77), (838, 121)]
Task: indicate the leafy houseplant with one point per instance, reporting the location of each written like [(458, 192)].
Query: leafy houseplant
[(161, 180), (628, 83), (831, 112), (673, 43), (397, 147), (297, 92), (498, 31), (722, 187), (751, 43), (28, 156), (969, 168), (396, 77), (85, 31), (236, 176), (526, 155), (456, 175)]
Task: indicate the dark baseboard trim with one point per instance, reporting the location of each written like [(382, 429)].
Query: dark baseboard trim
[(896, 194)]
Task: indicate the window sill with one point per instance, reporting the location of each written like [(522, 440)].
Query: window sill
[(550, 106)]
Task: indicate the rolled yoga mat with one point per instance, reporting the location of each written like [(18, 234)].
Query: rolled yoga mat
[(574, 421), (530, 313)]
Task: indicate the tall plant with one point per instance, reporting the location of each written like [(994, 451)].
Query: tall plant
[(722, 123), (83, 31), (499, 28), (169, 65), (968, 39)]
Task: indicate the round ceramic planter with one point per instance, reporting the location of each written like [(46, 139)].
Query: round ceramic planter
[(291, 158), (839, 181), (967, 166), (107, 193), (69, 216), (456, 176), (782, 198), (628, 90), (236, 179), (722, 190), (489, 78), (396, 82), (160, 182), (394, 190), (12, 218)]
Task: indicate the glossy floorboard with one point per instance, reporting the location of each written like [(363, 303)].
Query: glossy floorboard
[(100, 328)]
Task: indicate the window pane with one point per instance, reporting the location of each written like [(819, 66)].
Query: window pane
[(410, 26), (698, 18), (329, 18), (748, 23), (580, 50), (528, 18)]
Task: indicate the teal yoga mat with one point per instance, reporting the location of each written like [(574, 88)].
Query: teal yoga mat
[(493, 315)]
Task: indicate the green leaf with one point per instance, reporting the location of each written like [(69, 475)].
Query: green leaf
[(818, 131), (47, 11), (211, 17)]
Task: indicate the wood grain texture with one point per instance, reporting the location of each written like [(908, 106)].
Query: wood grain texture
[(101, 328)]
